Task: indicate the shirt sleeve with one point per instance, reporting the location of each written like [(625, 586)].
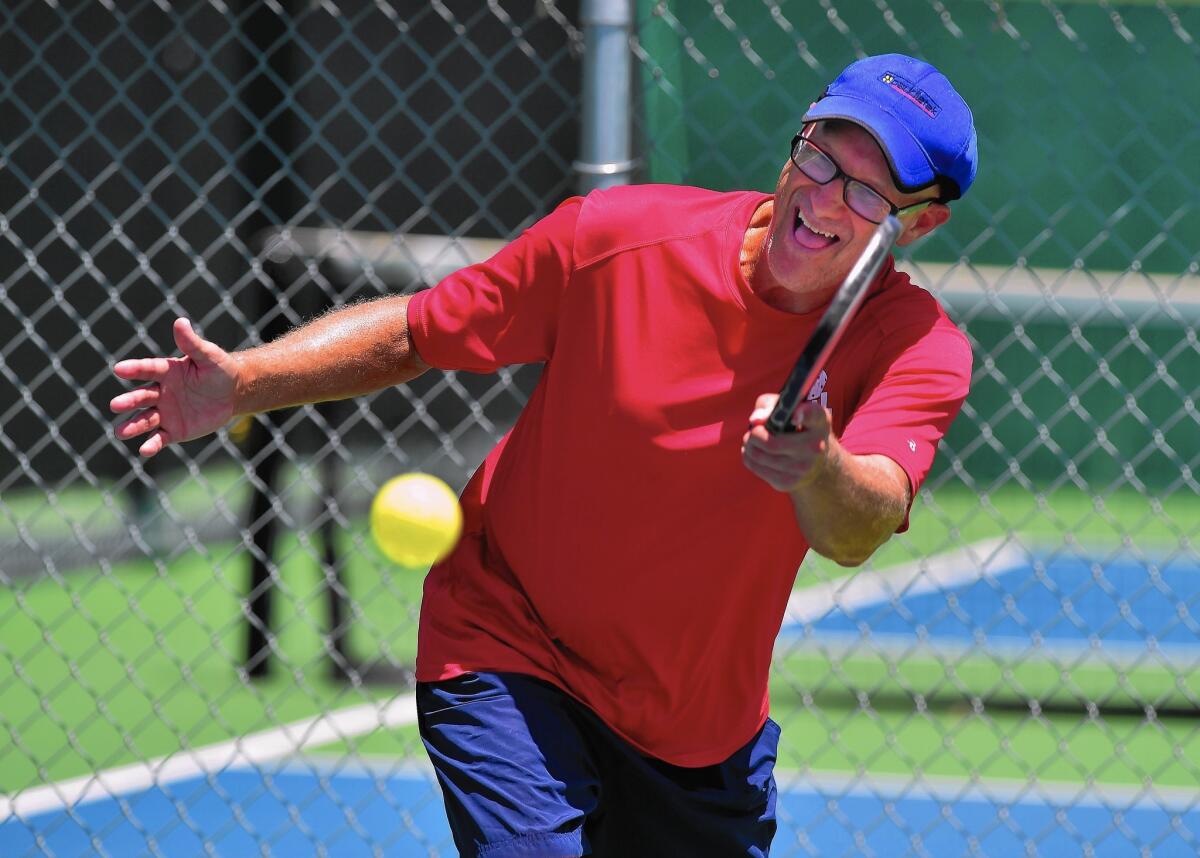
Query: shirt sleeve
[(503, 311), (917, 386)]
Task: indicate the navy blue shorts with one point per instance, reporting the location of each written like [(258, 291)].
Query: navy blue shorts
[(528, 772)]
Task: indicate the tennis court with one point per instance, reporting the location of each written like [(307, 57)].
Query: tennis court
[(252, 793)]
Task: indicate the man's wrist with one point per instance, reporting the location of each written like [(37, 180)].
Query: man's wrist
[(243, 385), (827, 463)]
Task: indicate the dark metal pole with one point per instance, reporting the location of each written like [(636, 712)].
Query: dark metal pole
[(336, 596), (269, 54)]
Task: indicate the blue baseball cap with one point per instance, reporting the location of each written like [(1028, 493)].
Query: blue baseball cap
[(921, 123)]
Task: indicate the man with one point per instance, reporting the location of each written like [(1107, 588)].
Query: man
[(593, 657)]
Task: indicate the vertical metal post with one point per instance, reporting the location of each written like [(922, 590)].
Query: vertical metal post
[(605, 156)]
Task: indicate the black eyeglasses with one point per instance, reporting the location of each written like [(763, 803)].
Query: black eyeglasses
[(861, 199)]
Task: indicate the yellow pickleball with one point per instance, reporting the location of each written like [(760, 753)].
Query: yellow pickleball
[(416, 520)]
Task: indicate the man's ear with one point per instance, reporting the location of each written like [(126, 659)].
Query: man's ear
[(926, 221)]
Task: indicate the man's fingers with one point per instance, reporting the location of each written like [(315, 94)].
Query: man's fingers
[(773, 458), (143, 397), (154, 444), (812, 416), (779, 475), (757, 439), (143, 369), (763, 407), (193, 345), (139, 425), (783, 461), (803, 438), (791, 461), (766, 401), (809, 416)]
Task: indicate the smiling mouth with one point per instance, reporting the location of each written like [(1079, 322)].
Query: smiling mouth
[(809, 237)]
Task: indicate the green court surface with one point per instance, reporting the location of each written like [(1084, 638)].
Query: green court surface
[(139, 661)]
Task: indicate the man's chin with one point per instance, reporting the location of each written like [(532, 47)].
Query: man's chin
[(799, 276)]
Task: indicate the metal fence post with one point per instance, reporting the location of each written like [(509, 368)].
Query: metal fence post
[(605, 157)]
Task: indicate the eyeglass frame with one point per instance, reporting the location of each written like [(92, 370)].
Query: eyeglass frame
[(893, 209)]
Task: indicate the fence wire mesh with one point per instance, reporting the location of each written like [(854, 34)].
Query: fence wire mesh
[(205, 653)]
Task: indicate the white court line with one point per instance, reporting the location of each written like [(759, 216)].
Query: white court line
[(940, 572), (248, 750)]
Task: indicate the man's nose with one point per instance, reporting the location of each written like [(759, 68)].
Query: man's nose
[(828, 197)]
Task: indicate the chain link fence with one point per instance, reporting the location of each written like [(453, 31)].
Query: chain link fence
[(205, 654)]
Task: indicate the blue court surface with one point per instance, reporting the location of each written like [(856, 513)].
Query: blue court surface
[(308, 809), (1119, 606)]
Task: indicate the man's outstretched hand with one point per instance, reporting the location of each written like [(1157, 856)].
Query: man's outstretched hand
[(187, 396)]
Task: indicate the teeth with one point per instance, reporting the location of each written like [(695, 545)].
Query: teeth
[(800, 218)]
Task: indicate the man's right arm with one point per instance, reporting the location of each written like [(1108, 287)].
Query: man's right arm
[(349, 352)]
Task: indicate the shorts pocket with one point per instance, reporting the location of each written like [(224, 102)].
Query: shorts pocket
[(456, 692)]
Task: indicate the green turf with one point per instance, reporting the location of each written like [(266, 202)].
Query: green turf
[(59, 512), (867, 709), (891, 679), (114, 666), (941, 743), (134, 664)]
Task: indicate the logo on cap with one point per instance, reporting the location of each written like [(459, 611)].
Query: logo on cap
[(912, 92)]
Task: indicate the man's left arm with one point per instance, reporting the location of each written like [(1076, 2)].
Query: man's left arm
[(847, 505), (852, 491)]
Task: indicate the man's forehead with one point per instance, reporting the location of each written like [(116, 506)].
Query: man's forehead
[(858, 153), (865, 159)]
